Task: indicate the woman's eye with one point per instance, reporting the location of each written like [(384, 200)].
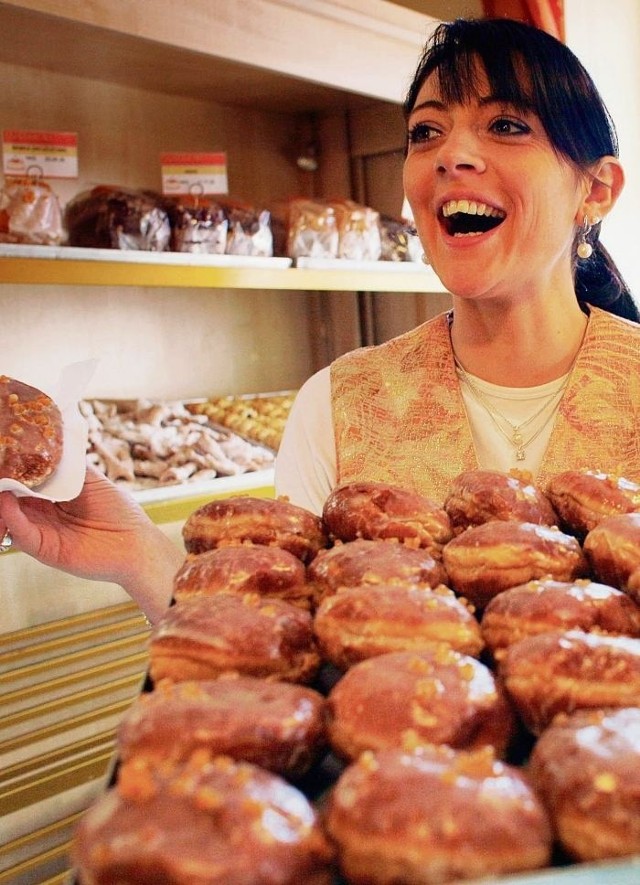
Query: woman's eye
[(506, 126), (422, 132)]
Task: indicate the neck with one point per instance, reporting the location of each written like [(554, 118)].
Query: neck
[(518, 346)]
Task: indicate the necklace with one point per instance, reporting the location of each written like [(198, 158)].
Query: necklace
[(513, 433)]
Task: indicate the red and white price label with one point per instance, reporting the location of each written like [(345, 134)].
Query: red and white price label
[(194, 173), (40, 153)]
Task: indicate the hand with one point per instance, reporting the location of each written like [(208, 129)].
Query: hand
[(103, 534)]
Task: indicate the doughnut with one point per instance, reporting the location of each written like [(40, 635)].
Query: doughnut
[(571, 670), (360, 622), (201, 822), (403, 699), (478, 496), (367, 561), (546, 605), (582, 498), (268, 521), (435, 815), (613, 549), (486, 559), (276, 725), (204, 636), (245, 568), (586, 769), (378, 510), (31, 433)]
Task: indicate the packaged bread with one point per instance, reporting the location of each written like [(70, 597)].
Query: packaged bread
[(249, 228), (113, 217), (358, 231), (198, 224), (29, 213)]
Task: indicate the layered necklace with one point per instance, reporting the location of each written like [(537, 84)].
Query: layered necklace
[(521, 435)]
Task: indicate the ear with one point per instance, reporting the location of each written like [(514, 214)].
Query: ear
[(603, 186)]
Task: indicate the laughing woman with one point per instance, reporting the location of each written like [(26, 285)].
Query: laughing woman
[(511, 166)]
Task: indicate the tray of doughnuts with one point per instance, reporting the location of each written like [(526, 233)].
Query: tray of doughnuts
[(397, 691)]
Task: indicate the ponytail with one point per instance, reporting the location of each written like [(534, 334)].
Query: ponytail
[(599, 282)]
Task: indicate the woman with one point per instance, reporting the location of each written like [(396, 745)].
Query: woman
[(511, 166)]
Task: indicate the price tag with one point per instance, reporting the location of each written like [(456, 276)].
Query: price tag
[(194, 173), (41, 154)]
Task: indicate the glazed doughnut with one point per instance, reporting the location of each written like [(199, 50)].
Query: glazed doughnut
[(586, 768), (378, 510), (203, 822), (582, 498), (276, 725), (245, 568), (561, 672), (546, 605), (204, 636), (274, 523), (613, 549), (489, 558), (478, 496), (403, 699), (360, 622), (435, 815), (31, 433), (372, 562)]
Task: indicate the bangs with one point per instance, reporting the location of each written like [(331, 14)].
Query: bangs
[(526, 68)]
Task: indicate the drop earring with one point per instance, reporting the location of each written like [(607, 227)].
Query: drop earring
[(585, 249), (425, 259)]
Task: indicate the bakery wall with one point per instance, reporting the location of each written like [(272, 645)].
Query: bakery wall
[(154, 342)]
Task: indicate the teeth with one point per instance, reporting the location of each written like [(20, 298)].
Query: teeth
[(470, 207)]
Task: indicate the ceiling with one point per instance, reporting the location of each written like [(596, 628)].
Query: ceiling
[(444, 9)]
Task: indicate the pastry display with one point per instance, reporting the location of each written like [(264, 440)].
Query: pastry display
[(404, 699), (244, 568), (365, 561), (360, 622), (613, 549), (277, 725), (379, 510), (273, 522), (489, 558), (478, 496), (546, 605), (145, 444), (570, 670), (433, 816), (258, 418), (582, 498), (201, 822), (203, 637), (586, 768), (31, 433)]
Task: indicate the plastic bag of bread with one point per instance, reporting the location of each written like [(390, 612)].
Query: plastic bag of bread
[(198, 224), (311, 229), (112, 217), (398, 241), (358, 231), (30, 213), (249, 229)]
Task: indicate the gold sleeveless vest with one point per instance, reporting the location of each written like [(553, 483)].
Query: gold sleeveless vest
[(399, 417)]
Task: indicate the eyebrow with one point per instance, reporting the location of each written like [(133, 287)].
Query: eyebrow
[(438, 105)]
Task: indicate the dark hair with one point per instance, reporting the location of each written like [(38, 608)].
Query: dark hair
[(530, 69)]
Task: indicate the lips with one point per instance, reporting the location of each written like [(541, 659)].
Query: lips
[(469, 217)]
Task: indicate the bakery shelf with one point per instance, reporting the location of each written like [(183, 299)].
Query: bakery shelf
[(73, 266)]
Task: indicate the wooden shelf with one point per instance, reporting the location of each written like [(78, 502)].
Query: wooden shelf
[(49, 266)]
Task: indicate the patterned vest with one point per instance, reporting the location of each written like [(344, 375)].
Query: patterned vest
[(399, 417)]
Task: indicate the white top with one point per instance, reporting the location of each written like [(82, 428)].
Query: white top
[(306, 464)]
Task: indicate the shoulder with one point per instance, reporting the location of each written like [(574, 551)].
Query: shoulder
[(432, 330)]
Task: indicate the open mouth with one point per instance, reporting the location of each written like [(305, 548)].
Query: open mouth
[(464, 218)]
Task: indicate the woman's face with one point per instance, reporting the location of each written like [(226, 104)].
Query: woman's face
[(494, 205)]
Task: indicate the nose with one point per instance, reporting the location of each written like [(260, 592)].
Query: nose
[(459, 152)]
